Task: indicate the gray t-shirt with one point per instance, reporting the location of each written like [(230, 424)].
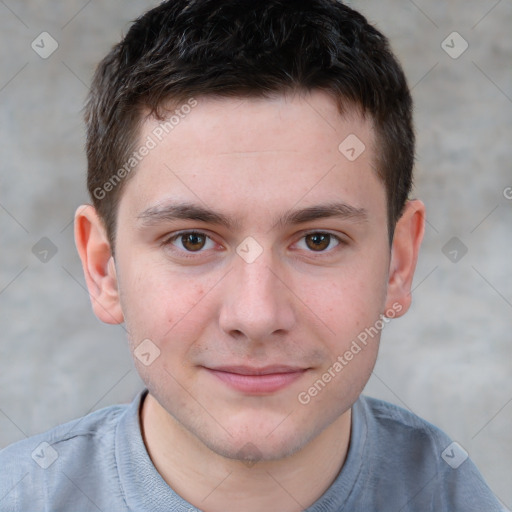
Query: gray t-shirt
[(396, 462)]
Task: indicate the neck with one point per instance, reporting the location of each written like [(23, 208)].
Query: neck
[(217, 484)]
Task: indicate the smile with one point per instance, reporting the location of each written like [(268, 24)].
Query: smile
[(257, 381)]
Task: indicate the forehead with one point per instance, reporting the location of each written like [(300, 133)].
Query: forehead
[(257, 155)]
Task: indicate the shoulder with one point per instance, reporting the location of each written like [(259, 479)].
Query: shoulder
[(78, 432), (57, 459), (392, 420), (420, 461)]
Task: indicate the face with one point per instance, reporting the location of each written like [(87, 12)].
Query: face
[(252, 253)]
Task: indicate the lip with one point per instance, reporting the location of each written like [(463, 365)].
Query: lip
[(257, 381)]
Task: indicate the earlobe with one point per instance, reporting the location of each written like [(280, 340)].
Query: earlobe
[(98, 265), (404, 256)]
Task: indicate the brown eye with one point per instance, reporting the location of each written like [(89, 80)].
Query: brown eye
[(189, 244), (193, 241), (318, 241)]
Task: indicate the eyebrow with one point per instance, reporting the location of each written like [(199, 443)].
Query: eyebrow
[(171, 211)]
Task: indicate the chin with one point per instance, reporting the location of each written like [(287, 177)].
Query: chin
[(253, 449), (251, 444)]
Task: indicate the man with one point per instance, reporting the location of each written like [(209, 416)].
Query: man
[(249, 165)]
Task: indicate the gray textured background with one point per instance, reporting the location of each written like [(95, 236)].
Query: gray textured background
[(448, 360)]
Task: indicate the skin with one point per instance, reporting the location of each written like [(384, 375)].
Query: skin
[(297, 304)]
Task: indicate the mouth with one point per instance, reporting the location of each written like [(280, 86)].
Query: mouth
[(257, 381)]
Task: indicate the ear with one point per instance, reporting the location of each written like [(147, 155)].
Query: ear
[(98, 264), (404, 255)]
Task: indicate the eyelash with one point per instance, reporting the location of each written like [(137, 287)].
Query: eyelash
[(193, 254)]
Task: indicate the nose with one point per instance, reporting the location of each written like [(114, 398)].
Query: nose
[(258, 301)]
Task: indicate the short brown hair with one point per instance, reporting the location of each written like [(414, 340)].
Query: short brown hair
[(241, 48)]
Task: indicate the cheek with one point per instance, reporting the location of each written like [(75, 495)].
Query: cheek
[(155, 303), (351, 300)]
